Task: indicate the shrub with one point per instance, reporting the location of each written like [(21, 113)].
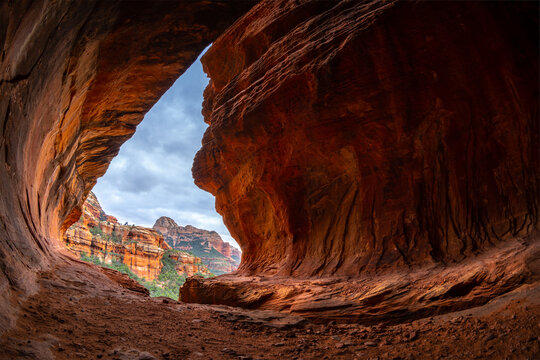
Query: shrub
[(96, 230), (167, 284), (169, 279), (115, 238), (206, 276), (91, 259)]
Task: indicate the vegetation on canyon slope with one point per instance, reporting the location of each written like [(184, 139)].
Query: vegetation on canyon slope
[(212, 258), (167, 284), (96, 231)]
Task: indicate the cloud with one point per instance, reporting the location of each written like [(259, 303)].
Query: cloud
[(151, 176)]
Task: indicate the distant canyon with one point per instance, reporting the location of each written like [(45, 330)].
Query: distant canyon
[(146, 254)]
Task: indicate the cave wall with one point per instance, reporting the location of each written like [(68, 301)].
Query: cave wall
[(76, 77), (345, 136), (357, 136)]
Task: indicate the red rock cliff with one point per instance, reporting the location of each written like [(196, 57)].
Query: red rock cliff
[(348, 137), (141, 249), (218, 255), (97, 234), (189, 265)]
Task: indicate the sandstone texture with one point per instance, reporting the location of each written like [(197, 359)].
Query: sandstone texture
[(76, 77), (377, 161), (220, 256), (141, 249), (359, 138), (352, 136), (188, 264), (78, 314), (389, 297)]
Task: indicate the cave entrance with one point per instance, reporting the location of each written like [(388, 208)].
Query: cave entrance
[(146, 217)]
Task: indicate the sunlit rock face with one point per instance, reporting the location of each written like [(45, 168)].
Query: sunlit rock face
[(355, 137), (189, 265), (76, 77), (97, 234), (218, 255)]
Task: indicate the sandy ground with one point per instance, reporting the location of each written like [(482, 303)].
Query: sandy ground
[(80, 314)]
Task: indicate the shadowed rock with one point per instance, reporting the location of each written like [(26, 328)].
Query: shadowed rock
[(355, 138), (389, 148)]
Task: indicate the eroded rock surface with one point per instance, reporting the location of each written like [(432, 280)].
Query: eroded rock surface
[(389, 148), (76, 77), (188, 264), (354, 138), (389, 297), (77, 314)]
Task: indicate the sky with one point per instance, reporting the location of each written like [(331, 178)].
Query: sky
[(151, 176)]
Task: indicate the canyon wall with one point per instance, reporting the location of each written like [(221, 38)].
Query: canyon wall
[(218, 255), (141, 249), (354, 137), (76, 77), (188, 265)]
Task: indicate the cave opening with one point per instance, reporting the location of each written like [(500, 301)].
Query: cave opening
[(351, 141), (129, 220)]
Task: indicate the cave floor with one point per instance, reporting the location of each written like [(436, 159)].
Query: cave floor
[(84, 312)]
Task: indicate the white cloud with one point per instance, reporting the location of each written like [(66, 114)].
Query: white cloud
[(151, 176)]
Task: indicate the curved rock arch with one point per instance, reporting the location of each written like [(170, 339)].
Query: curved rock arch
[(335, 145)]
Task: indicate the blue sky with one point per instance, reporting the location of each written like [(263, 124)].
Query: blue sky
[(151, 176)]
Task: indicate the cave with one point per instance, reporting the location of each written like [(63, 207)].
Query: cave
[(129, 219), (377, 161)]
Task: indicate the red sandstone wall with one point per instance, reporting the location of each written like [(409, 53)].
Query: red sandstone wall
[(140, 248), (355, 136), (344, 136)]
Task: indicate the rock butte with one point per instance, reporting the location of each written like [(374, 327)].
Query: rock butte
[(218, 255), (375, 160)]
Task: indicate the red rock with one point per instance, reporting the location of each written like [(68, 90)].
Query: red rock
[(347, 137), (354, 138), (111, 241), (140, 248), (202, 243), (76, 77), (189, 265)]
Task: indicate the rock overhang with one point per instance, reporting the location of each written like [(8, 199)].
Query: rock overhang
[(302, 209)]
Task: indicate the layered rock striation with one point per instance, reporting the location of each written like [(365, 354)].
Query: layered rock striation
[(356, 136), (218, 255), (376, 140), (188, 265), (141, 249), (346, 139)]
